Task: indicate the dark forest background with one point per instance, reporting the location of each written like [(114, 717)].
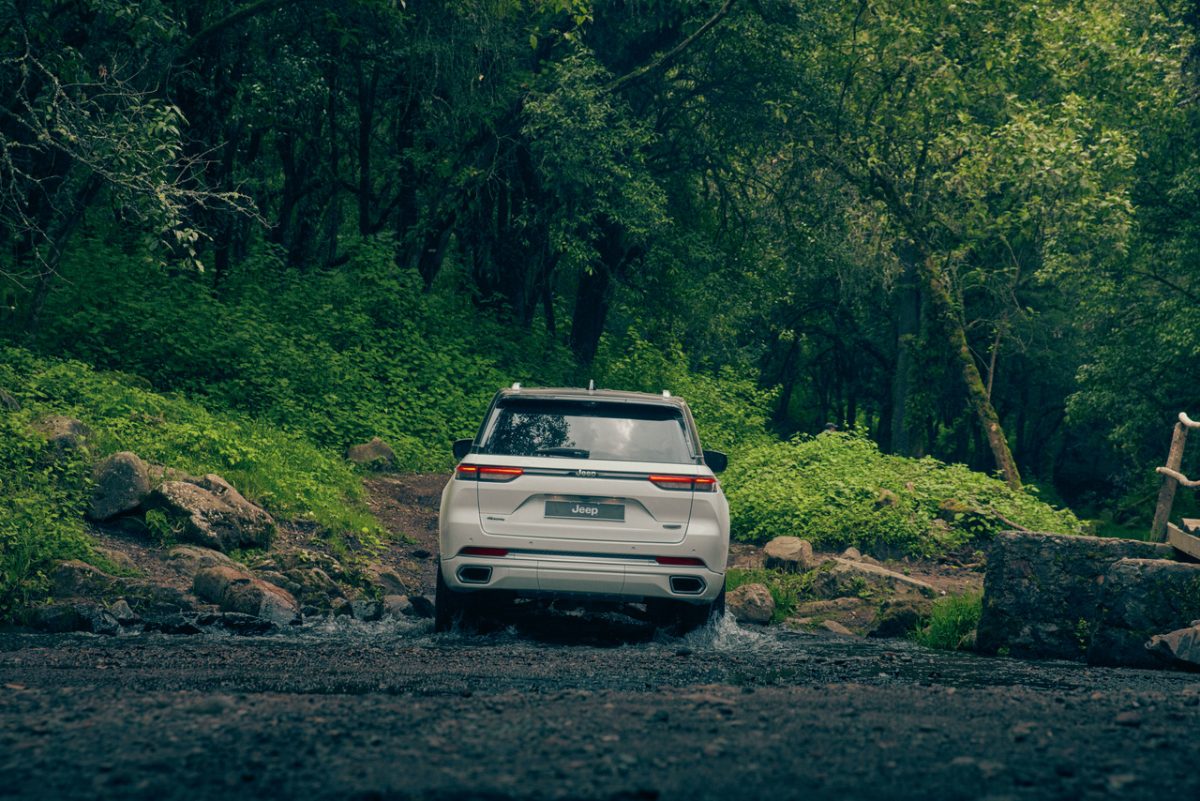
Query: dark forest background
[(965, 229)]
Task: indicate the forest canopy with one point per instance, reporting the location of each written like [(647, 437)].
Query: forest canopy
[(964, 229)]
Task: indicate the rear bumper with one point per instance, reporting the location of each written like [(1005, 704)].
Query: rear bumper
[(584, 576)]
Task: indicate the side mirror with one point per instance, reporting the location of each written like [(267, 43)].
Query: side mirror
[(462, 447), (716, 461)]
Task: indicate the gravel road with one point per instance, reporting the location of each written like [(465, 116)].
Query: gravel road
[(577, 708)]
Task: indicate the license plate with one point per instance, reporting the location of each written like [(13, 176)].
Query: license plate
[(585, 511)]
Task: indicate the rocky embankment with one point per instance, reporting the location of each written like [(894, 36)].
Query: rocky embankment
[(176, 553), (847, 593)]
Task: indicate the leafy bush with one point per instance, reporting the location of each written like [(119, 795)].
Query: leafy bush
[(837, 489), (41, 511), (336, 356), (281, 470), (952, 623)]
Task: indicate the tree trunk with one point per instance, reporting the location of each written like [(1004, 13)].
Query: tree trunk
[(591, 311), (908, 326), (945, 311)]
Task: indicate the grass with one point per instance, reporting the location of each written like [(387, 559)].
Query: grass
[(42, 498), (952, 623)]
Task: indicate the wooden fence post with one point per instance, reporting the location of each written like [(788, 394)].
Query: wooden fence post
[(1166, 493)]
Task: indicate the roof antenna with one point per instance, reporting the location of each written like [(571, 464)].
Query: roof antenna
[(591, 385)]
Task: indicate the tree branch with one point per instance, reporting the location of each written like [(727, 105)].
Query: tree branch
[(242, 14), (665, 58)]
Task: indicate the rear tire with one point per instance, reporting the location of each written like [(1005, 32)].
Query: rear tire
[(450, 607), (684, 617)]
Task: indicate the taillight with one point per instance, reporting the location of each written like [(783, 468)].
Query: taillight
[(695, 483), (682, 561), (477, 472), (477, 551)]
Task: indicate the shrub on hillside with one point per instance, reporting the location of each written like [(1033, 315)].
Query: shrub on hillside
[(279, 469), (837, 489), (41, 510)]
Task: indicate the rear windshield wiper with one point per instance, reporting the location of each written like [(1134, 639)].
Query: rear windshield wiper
[(578, 453)]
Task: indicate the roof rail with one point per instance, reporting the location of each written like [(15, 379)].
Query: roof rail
[(516, 386)]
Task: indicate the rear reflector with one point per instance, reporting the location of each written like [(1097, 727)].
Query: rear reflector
[(696, 483), (682, 561), (476, 551), (476, 472)]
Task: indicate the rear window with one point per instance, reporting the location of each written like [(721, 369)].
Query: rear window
[(588, 430)]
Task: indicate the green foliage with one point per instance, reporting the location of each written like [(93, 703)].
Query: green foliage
[(837, 489), (730, 410), (952, 623), (335, 357), (281, 470), (41, 509)]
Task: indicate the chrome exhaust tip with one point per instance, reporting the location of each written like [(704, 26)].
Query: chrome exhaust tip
[(474, 574), (687, 585)]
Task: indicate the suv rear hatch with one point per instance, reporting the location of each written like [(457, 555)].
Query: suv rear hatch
[(587, 470)]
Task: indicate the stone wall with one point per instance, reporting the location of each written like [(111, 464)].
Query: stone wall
[(1042, 592)]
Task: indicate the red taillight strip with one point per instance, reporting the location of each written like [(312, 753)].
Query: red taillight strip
[(475, 550), (680, 560), (477, 472), (697, 483)]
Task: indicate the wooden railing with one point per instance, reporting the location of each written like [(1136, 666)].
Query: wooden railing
[(1172, 478)]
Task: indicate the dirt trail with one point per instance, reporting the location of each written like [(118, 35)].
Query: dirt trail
[(389, 711)]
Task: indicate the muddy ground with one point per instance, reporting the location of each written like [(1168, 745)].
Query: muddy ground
[(559, 706)]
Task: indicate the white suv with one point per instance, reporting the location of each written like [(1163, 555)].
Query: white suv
[(589, 495)]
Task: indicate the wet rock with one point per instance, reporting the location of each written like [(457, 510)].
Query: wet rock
[(389, 581), (281, 581), (172, 624), (60, 618), (190, 559), (98, 620), (1042, 591), (421, 606), (304, 558), (1181, 645), (73, 579), (366, 610), (65, 434), (123, 613), (751, 603), (841, 577), (837, 628), (213, 514), (397, 606), (899, 618), (238, 623), (236, 590), (789, 554), (374, 455), (120, 483), (56, 618), (1139, 599), (316, 586)]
